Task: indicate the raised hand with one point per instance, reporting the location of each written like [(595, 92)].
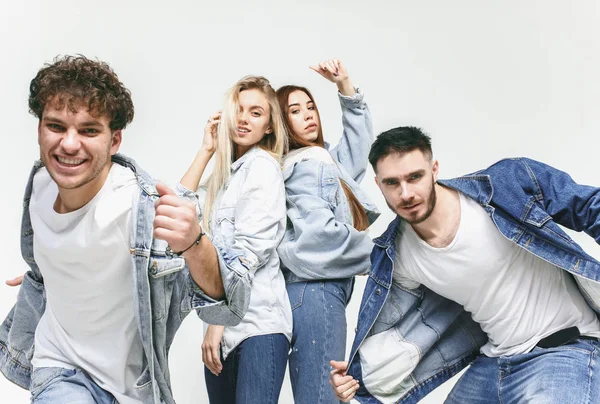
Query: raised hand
[(335, 71), (176, 220), (344, 386), (210, 349), (209, 142)]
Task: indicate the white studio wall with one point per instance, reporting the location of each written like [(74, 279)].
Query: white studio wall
[(485, 79)]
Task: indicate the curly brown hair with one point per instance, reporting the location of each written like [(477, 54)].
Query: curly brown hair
[(76, 81)]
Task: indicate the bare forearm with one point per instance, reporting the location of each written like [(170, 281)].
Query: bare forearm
[(191, 179), (345, 87), (204, 268)]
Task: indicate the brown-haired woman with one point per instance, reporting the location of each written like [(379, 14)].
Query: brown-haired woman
[(325, 244)]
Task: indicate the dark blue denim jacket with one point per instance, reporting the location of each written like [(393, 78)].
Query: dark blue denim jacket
[(164, 293), (527, 200)]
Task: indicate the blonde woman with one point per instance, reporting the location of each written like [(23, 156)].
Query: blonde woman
[(243, 211)]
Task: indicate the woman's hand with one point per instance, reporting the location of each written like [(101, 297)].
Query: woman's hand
[(334, 71), (209, 142), (210, 349)]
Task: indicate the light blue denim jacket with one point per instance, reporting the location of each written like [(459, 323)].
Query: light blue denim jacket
[(527, 200), (247, 224), (164, 293), (320, 241)]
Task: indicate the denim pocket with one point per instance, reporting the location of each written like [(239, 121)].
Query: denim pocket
[(41, 378), (296, 293), (225, 218)]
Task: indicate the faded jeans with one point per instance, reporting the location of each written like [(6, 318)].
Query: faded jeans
[(319, 311), (569, 373), (57, 385)]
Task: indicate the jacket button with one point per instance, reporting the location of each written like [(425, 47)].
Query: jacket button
[(378, 291)]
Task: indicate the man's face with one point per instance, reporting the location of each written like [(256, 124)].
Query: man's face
[(407, 182), (76, 147)]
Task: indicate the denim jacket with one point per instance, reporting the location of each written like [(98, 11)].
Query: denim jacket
[(527, 201), (247, 224), (164, 293), (320, 241)]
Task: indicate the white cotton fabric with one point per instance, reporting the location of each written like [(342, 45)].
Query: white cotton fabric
[(516, 297), (85, 261)]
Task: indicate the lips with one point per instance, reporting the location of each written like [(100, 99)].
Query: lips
[(311, 127), (242, 131), (410, 207)]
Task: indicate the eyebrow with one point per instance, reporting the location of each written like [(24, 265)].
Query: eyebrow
[(387, 179), (257, 107), (297, 104), (57, 120)]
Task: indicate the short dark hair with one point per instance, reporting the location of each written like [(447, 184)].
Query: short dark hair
[(402, 139), (81, 82)]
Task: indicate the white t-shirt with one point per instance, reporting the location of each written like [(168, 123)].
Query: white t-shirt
[(516, 297), (84, 257)]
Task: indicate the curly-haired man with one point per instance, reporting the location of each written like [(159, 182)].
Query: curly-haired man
[(103, 297)]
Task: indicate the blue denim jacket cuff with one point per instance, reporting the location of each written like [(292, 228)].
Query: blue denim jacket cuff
[(184, 192), (191, 196), (354, 101), (198, 298)]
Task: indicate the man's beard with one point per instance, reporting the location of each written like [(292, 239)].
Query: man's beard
[(430, 201)]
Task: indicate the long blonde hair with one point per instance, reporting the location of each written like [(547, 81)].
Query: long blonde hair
[(275, 143)]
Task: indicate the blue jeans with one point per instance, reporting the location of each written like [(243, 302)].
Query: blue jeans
[(253, 372), (57, 385), (319, 310), (567, 374)]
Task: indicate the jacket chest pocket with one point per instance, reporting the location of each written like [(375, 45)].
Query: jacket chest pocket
[(540, 219), (163, 272), (398, 303), (225, 224)]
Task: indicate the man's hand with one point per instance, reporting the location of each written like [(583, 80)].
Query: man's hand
[(176, 221), (16, 281), (210, 349), (344, 386)]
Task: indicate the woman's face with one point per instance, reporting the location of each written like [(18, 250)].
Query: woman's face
[(303, 116), (253, 120)]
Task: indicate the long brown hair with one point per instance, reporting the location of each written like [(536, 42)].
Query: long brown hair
[(359, 215)]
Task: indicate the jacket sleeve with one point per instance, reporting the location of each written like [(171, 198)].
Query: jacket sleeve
[(352, 151), (259, 215), (570, 204), (229, 311), (17, 332), (317, 244)]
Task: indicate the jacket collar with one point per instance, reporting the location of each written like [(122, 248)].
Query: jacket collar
[(239, 162)]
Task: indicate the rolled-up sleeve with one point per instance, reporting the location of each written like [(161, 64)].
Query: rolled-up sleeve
[(259, 220)]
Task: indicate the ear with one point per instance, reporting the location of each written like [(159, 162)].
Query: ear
[(377, 182), (39, 131), (116, 139), (435, 169), (269, 130)]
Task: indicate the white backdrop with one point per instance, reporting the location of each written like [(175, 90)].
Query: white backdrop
[(485, 79)]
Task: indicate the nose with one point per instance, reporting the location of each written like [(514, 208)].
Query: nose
[(309, 116), (70, 142), (406, 192), (242, 117)]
